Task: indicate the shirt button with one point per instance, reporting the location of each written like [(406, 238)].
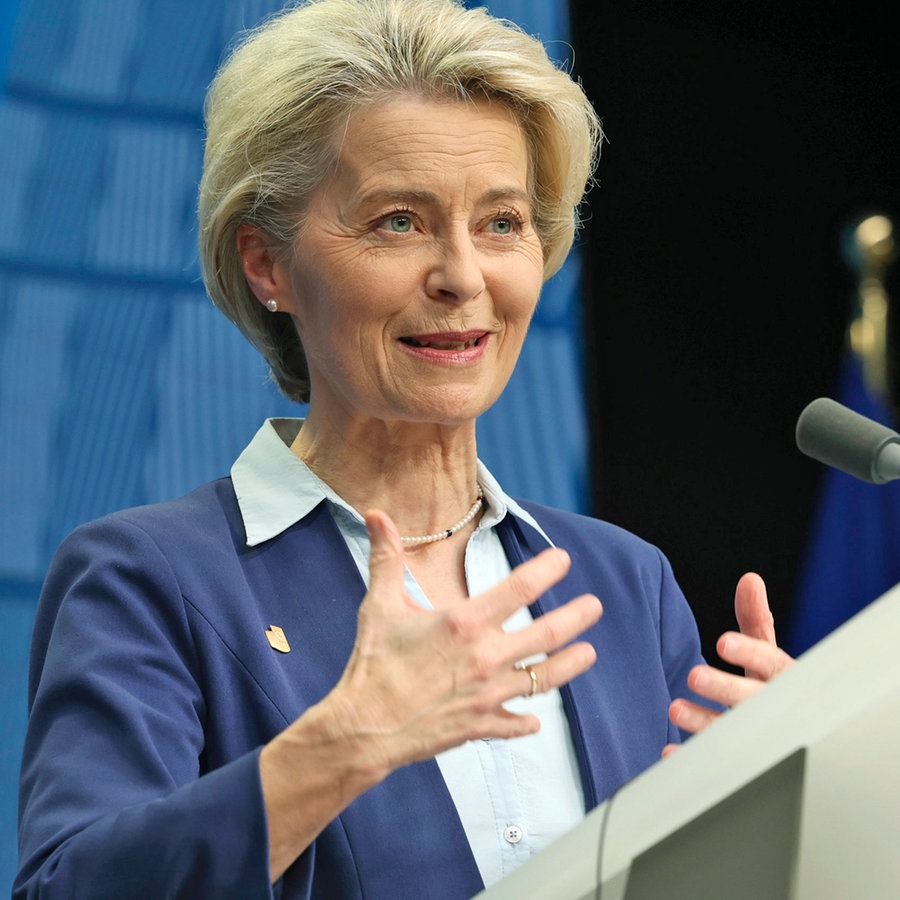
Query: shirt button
[(513, 834)]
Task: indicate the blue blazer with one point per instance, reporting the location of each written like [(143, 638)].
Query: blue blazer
[(153, 687)]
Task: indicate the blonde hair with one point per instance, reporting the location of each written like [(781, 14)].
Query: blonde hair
[(277, 101)]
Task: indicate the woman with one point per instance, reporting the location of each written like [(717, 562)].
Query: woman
[(357, 667)]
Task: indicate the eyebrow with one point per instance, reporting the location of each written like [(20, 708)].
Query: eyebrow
[(423, 197)]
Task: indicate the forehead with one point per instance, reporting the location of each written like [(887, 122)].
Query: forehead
[(409, 139)]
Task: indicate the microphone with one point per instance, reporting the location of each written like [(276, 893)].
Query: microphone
[(839, 437)]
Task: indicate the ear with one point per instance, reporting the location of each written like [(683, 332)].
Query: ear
[(265, 274)]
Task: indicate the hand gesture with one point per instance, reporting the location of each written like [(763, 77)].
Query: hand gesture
[(421, 681), (753, 648)]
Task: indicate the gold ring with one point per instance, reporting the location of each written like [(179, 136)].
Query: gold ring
[(534, 684)]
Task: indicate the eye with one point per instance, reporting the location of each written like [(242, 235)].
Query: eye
[(399, 222), (506, 223)]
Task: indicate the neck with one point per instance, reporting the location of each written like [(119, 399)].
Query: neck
[(422, 476)]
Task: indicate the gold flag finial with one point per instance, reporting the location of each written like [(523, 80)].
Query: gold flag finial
[(875, 247)]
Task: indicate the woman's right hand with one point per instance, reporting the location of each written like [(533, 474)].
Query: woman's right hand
[(418, 682), (421, 681)]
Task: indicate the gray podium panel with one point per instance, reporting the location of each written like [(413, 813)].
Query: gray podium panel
[(794, 794), (719, 854)]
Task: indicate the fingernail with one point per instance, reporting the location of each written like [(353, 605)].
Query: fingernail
[(375, 526)]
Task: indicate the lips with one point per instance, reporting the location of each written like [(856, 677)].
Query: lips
[(450, 342)]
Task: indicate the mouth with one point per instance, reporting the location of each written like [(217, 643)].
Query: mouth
[(451, 342)]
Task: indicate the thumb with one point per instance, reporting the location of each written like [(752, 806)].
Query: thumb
[(386, 568), (751, 607)]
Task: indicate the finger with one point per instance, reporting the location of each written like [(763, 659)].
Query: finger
[(759, 659), (549, 632), (751, 607), (691, 717), (722, 687), (525, 584), (386, 567), (501, 724), (670, 750), (553, 672)]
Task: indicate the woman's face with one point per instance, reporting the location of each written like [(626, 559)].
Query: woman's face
[(417, 271)]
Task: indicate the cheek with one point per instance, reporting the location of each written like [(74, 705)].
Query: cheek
[(320, 308), (347, 340), (517, 316), (524, 278), (522, 297)]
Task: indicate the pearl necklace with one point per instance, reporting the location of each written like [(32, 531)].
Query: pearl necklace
[(419, 540)]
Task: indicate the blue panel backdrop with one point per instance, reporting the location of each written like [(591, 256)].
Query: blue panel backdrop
[(119, 382)]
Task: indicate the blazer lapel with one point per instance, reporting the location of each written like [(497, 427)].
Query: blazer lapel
[(522, 541)]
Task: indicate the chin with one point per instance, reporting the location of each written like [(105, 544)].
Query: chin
[(454, 409)]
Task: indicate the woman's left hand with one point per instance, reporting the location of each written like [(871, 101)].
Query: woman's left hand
[(753, 648)]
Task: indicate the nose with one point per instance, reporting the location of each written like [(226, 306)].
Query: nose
[(454, 274)]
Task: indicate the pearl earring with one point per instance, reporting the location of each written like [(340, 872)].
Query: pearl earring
[(272, 305)]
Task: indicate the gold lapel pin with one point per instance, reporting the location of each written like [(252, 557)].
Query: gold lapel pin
[(277, 640)]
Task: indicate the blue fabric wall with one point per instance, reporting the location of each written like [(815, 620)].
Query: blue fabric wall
[(119, 382)]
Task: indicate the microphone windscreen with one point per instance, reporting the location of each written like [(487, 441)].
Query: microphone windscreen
[(839, 437)]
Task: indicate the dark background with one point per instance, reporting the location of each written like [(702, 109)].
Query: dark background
[(744, 138)]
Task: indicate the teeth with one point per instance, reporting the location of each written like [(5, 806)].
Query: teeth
[(441, 345)]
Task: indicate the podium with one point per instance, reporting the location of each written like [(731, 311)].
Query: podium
[(792, 795)]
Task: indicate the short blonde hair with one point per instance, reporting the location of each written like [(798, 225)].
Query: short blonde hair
[(277, 101)]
